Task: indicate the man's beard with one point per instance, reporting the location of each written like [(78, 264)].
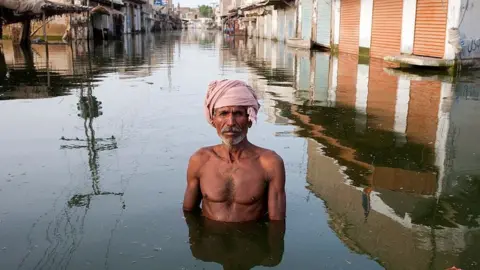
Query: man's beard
[(235, 140)]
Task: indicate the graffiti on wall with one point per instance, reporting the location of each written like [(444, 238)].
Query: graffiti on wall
[(470, 48)]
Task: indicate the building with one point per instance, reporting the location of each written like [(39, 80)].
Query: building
[(401, 31)]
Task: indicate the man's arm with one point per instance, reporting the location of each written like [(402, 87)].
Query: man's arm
[(276, 188), (193, 195)]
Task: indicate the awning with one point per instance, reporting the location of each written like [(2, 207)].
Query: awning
[(106, 11), (266, 3)]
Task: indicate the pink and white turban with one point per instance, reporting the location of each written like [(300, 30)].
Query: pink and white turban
[(224, 93)]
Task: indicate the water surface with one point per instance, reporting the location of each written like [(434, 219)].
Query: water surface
[(383, 168)]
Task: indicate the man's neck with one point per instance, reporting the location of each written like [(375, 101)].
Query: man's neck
[(234, 152)]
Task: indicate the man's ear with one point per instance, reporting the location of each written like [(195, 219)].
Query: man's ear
[(249, 124)]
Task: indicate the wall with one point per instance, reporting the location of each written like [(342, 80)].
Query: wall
[(336, 25), (55, 28), (366, 15), (408, 25), (469, 18), (454, 11)]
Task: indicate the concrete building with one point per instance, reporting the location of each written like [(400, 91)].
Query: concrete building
[(423, 32)]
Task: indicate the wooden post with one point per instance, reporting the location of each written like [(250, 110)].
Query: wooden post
[(46, 47), (25, 38), (88, 20)]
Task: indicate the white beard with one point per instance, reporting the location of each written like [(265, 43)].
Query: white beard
[(234, 141)]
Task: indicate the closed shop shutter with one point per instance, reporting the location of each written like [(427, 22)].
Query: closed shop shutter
[(281, 25), (307, 7), (347, 80), (324, 9), (290, 23), (349, 26), (430, 28), (268, 24), (386, 28), (260, 27)]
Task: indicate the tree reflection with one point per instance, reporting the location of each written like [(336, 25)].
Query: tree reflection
[(236, 246)]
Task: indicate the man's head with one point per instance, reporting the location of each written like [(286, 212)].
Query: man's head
[(231, 107)]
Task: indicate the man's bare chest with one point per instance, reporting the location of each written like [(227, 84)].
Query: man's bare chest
[(242, 183)]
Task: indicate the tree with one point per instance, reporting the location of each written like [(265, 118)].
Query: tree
[(205, 11)]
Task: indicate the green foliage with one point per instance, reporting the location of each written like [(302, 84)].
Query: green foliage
[(205, 11)]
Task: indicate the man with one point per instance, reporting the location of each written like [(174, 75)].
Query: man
[(235, 181)]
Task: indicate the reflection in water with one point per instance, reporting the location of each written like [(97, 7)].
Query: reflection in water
[(236, 246), (396, 143), (89, 109), (393, 158)]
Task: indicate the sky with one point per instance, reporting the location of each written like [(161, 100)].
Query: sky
[(193, 3)]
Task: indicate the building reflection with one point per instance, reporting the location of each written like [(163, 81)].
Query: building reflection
[(60, 69), (398, 168), (236, 246)]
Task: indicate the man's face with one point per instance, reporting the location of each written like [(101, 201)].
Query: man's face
[(231, 124)]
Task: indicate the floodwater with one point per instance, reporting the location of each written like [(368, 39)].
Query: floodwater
[(383, 168)]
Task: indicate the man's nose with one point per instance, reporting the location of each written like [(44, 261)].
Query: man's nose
[(230, 120)]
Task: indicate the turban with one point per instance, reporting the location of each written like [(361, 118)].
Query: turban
[(230, 93)]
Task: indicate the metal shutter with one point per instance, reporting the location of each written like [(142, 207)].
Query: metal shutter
[(386, 28), (349, 26), (430, 28), (307, 7), (281, 25), (324, 9)]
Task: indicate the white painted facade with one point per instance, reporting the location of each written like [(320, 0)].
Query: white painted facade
[(281, 25), (336, 19), (408, 25), (366, 17), (452, 22)]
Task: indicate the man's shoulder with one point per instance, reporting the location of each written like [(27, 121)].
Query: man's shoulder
[(202, 154), (269, 156)]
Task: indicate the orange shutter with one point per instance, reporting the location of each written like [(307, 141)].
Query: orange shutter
[(386, 28), (349, 26), (430, 28)]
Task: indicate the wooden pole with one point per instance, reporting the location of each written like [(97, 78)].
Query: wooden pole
[(88, 20), (46, 47)]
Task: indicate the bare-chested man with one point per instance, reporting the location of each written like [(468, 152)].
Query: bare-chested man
[(235, 181)]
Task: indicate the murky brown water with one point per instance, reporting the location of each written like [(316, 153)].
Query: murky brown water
[(383, 169)]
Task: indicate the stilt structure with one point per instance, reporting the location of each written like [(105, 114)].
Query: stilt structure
[(26, 11)]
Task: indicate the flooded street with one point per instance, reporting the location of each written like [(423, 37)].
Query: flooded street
[(383, 167)]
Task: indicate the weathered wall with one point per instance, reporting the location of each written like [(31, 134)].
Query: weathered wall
[(469, 19), (55, 28), (366, 13)]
